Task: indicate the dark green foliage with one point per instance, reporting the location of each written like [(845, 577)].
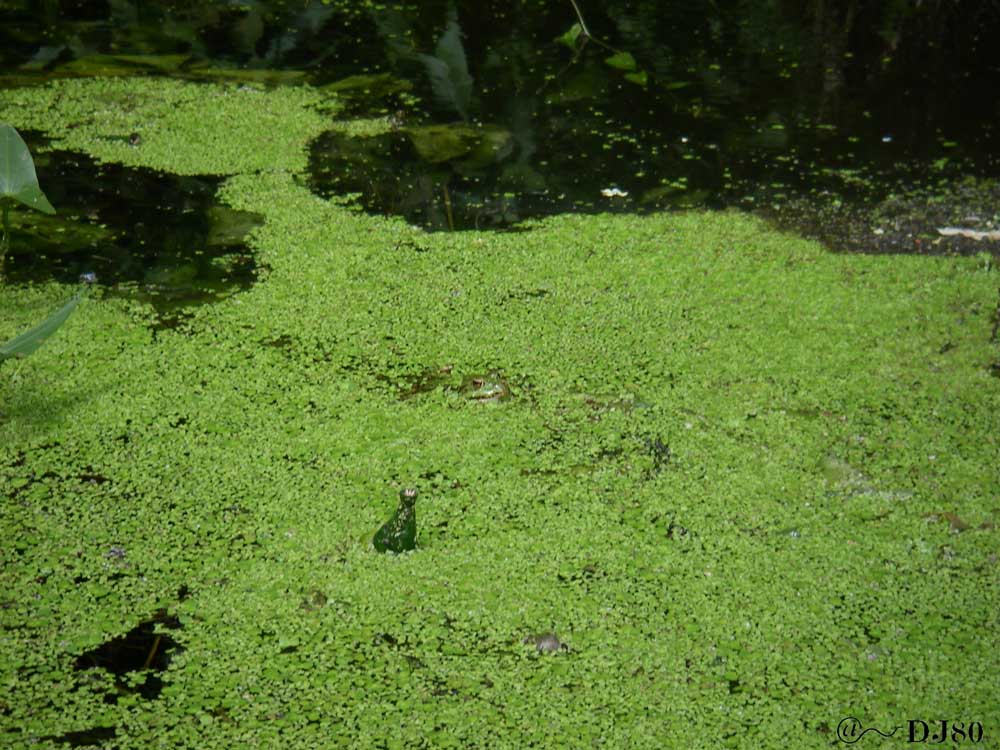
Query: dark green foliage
[(399, 533), (448, 70)]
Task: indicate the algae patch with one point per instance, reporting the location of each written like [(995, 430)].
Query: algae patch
[(184, 128)]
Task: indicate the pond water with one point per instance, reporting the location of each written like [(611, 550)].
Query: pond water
[(160, 238), (866, 126)]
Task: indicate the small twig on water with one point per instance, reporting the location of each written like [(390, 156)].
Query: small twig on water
[(152, 652), (447, 207)]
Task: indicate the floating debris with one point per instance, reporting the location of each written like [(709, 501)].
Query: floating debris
[(970, 233)]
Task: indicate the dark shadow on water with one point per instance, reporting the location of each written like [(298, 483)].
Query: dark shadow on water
[(149, 236), (94, 737), (145, 648)]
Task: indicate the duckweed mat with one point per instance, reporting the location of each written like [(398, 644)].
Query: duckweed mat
[(746, 488)]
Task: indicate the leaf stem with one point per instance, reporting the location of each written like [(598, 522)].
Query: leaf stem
[(447, 207), (586, 31), (579, 15), (5, 239)]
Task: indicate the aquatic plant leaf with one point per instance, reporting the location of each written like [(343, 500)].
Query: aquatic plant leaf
[(29, 341), (448, 70), (368, 86), (622, 61), (229, 227), (639, 77), (122, 65), (440, 143), (57, 233), (250, 76), (571, 37), (43, 56), (17, 172)]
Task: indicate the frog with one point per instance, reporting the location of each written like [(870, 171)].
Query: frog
[(399, 533), (490, 387), (545, 643)]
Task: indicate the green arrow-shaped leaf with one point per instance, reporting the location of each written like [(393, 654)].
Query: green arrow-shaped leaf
[(17, 172), (29, 341), (571, 37), (622, 61)]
